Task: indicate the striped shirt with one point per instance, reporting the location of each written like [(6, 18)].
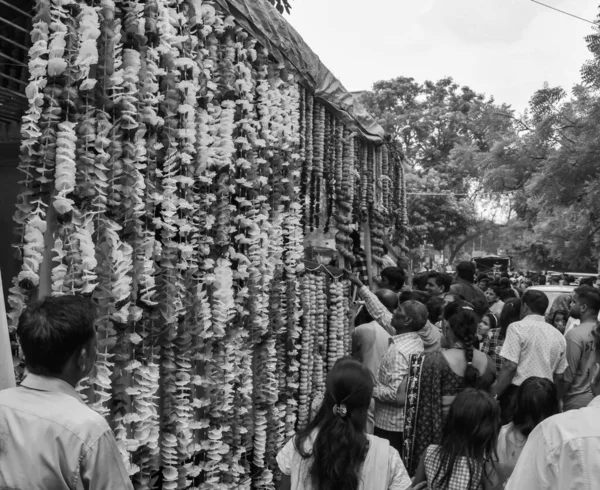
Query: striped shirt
[(394, 367)]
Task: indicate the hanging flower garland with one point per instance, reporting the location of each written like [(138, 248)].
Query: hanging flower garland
[(346, 199), (184, 165), (318, 162)]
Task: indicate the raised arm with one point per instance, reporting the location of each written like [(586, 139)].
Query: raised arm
[(379, 312)]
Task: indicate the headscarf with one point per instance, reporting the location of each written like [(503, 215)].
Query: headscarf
[(562, 302)]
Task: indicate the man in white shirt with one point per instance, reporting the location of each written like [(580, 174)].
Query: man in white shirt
[(532, 348), (562, 451), (49, 438), (370, 342)]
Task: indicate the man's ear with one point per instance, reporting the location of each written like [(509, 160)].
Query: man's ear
[(82, 359)]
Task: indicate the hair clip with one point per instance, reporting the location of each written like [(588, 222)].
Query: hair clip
[(340, 410), (467, 308)]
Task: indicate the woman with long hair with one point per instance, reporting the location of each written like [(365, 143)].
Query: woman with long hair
[(492, 344), (334, 452), (535, 401), (468, 442), (435, 379)]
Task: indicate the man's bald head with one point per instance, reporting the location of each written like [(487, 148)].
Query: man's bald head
[(388, 298)]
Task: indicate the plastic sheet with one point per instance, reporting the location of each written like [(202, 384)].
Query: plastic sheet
[(261, 19)]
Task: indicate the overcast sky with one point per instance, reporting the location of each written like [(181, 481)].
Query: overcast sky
[(504, 48)]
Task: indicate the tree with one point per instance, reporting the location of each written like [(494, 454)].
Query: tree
[(281, 5), (550, 170), (430, 122)]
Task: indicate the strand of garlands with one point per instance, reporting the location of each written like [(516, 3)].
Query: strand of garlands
[(377, 224), (385, 178), (318, 164), (345, 198), (308, 161), (328, 201), (338, 332), (38, 150)]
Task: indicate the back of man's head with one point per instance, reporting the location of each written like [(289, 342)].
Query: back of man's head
[(388, 298), (542, 280), (435, 306), (394, 276), (590, 296), (412, 296), (417, 312), (50, 331), (466, 271), (587, 281), (536, 301)]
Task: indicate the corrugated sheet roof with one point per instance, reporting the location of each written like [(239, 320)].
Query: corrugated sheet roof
[(15, 28)]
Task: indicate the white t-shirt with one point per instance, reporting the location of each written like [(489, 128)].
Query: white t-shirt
[(397, 476)]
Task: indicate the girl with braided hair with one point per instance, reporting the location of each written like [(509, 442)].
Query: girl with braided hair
[(436, 378)]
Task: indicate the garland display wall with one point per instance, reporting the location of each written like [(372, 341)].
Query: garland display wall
[(175, 167)]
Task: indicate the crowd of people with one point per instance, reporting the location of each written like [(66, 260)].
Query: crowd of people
[(454, 383), (458, 383)]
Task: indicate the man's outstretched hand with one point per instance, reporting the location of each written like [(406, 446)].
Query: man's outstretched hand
[(353, 278)]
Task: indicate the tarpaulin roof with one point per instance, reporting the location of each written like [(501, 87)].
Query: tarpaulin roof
[(261, 20)]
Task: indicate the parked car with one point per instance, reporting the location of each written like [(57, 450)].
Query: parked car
[(553, 291)]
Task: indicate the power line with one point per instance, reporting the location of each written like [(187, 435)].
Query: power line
[(563, 12)]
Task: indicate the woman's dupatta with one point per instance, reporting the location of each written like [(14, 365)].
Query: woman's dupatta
[(423, 416)]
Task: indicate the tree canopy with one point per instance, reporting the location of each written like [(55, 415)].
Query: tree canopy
[(432, 123)]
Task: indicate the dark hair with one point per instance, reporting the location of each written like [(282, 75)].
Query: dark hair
[(388, 298), (395, 276), (554, 279), (587, 281), (511, 313), (466, 270), (463, 321), (441, 279), (341, 445), (536, 400), (542, 280), (470, 431), (537, 301), (420, 281), (589, 296), (50, 331), (496, 289), (559, 312), (412, 296), (480, 306), (493, 320), (417, 312), (435, 306), (482, 276)]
